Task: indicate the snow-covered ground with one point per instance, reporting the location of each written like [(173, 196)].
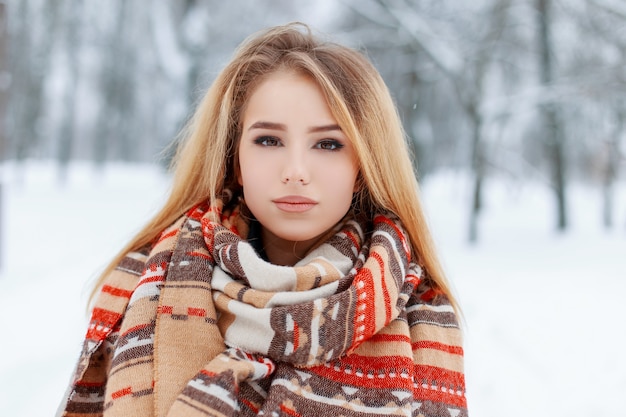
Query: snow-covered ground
[(543, 312)]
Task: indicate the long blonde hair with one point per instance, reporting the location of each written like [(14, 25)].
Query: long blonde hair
[(206, 161)]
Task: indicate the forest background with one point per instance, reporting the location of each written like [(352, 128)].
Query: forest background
[(527, 89)]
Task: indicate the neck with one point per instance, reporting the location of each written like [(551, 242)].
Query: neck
[(285, 252)]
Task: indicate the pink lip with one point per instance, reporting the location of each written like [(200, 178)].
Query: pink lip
[(294, 203)]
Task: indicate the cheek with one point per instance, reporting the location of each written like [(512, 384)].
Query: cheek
[(343, 175), (341, 183), (254, 175), (247, 169)]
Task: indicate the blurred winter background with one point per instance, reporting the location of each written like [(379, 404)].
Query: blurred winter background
[(516, 111)]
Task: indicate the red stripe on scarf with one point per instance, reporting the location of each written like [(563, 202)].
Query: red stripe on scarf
[(289, 411), (198, 312), (165, 309), (413, 279), (201, 255), (138, 327), (427, 344), (421, 394), (167, 235), (364, 319), (382, 338), (383, 372), (296, 336), (439, 384), (121, 393), (354, 240), (198, 211), (116, 292), (102, 321), (250, 405), (155, 267), (382, 219), (386, 297), (150, 279)]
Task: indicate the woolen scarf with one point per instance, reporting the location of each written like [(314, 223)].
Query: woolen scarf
[(202, 325)]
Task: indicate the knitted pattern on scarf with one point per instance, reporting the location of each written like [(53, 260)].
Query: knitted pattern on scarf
[(202, 326)]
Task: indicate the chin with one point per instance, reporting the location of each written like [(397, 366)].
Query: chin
[(297, 237), (293, 235)]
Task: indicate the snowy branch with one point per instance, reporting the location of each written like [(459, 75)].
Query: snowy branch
[(616, 9), (440, 53)]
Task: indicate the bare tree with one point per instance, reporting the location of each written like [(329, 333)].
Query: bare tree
[(202, 35), (114, 132), (464, 60), (611, 166), (468, 80), (550, 111), (115, 80), (613, 155), (4, 81), (30, 53), (71, 46), (600, 84)]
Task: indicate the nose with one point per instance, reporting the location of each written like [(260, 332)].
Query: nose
[(295, 169)]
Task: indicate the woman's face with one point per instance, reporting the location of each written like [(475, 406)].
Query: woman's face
[(297, 168)]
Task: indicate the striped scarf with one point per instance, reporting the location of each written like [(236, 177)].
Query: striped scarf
[(202, 326)]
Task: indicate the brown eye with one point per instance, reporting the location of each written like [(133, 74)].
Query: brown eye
[(267, 141), (329, 145)]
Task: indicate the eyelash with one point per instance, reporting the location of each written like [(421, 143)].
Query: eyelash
[(323, 144), (262, 140), (336, 145)]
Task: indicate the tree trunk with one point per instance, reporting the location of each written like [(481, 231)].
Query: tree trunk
[(115, 135), (30, 64), (5, 80), (610, 170), (552, 122), (72, 46), (478, 169), (4, 88)]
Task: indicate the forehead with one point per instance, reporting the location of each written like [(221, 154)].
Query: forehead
[(283, 81), (285, 94)]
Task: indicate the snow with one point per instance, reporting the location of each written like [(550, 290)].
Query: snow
[(543, 311)]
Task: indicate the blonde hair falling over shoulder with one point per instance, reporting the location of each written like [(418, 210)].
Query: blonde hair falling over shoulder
[(206, 161)]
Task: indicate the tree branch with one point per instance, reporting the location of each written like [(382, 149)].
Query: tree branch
[(613, 9), (416, 27)]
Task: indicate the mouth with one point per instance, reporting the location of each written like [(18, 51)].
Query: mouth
[(294, 203)]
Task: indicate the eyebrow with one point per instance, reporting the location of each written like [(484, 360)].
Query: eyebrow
[(280, 126)]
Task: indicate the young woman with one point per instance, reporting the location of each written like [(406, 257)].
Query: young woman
[(291, 271)]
